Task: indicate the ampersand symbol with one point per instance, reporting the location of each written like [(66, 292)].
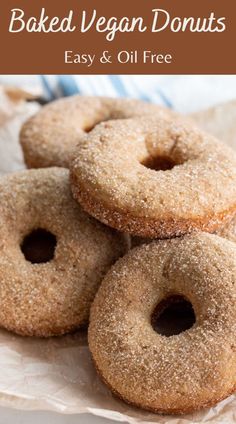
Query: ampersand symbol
[(105, 58)]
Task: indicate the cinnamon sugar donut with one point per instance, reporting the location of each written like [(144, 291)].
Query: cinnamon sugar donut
[(180, 371), (154, 178), (49, 137), (52, 254), (228, 231)]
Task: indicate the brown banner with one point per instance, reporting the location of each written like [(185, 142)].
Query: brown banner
[(118, 37)]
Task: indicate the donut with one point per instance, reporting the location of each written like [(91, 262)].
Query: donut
[(155, 178), (139, 354), (228, 231), (53, 256), (49, 137)]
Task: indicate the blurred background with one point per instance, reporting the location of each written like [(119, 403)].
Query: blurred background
[(184, 93)]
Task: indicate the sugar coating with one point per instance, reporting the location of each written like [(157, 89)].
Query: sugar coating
[(226, 230), (176, 374), (49, 137), (50, 298), (229, 230), (112, 184)]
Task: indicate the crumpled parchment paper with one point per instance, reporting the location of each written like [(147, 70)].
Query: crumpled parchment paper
[(14, 110), (57, 374), (220, 121)]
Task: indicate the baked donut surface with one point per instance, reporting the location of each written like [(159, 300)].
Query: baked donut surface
[(180, 373), (49, 137), (53, 256), (154, 178), (228, 231)]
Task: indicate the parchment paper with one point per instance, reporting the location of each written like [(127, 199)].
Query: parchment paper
[(57, 374), (220, 121)]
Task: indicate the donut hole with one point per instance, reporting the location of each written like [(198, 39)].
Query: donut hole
[(158, 163), (172, 316), (39, 246)]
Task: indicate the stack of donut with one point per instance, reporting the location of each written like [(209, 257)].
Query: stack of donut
[(162, 325)]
